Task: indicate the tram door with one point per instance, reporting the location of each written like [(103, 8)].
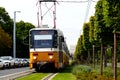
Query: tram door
[(60, 53)]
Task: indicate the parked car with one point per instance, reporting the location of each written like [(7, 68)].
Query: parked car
[(8, 61), (17, 62), (27, 60), (1, 64), (24, 62)]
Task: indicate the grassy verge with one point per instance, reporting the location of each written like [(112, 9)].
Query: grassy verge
[(34, 76), (83, 72), (65, 74)]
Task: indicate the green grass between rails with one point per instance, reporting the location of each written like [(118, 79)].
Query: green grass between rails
[(34, 76), (65, 74)]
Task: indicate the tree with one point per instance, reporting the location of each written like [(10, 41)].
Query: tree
[(86, 42), (99, 22), (5, 21), (79, 48), (22, 29), (111, 12), (5, 43), (92, 30), (102, 33)]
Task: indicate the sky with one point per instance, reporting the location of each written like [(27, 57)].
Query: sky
[(70, 17)]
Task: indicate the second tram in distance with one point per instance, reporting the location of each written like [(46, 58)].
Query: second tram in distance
[(48, 48)]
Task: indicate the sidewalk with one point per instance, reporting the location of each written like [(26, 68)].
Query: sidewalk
[(110, 64)]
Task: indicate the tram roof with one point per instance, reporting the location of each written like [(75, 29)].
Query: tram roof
[(44, 29), (59, 31)]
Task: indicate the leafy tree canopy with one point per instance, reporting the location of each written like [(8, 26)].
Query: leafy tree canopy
[(23, 29), (5, 21), (5, 39), (79, 48), (91, 31), (86, 42)]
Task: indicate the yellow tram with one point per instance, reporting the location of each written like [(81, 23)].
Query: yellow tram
[(48, 46)]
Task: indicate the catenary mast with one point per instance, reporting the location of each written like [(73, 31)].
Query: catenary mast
[(43, 14)]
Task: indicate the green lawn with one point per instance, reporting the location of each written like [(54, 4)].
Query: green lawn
[(34, 76), (65, 74)]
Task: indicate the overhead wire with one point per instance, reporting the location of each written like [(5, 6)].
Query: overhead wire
[(76, 1), (87, 9), (73, 1), (48, 9)]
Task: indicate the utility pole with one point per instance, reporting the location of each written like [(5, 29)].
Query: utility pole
[(49, 9), (14, 35), (54, 14)]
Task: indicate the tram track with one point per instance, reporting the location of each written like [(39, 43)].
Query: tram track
[(50, 76), (16, 75)]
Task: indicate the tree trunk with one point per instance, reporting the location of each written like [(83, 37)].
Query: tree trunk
[(105, 58), (112, 59), (101, 59), (89, 57)]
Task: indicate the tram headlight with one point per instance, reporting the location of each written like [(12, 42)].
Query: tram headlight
[(50, 56), (34, 57)]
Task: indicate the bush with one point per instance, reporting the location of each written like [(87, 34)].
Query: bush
[(118, 71), (107, 72), (81, 70), (73, 63), (87, 73)]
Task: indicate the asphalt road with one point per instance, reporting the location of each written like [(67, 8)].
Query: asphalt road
[(11, 71)]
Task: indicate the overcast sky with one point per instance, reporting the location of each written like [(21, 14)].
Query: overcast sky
[(70, 16)]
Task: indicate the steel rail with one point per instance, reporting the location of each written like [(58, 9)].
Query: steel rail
[(50, 76), (16, 75)]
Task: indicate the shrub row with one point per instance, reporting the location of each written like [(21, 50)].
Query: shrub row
[(83, 72)]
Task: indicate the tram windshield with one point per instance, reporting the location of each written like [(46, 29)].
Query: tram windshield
[(42, 38)]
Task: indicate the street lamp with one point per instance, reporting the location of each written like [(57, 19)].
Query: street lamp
[(14, 35)]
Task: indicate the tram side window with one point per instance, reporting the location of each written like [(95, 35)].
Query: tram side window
[(62, 38), (55, 41), (31, 41)]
